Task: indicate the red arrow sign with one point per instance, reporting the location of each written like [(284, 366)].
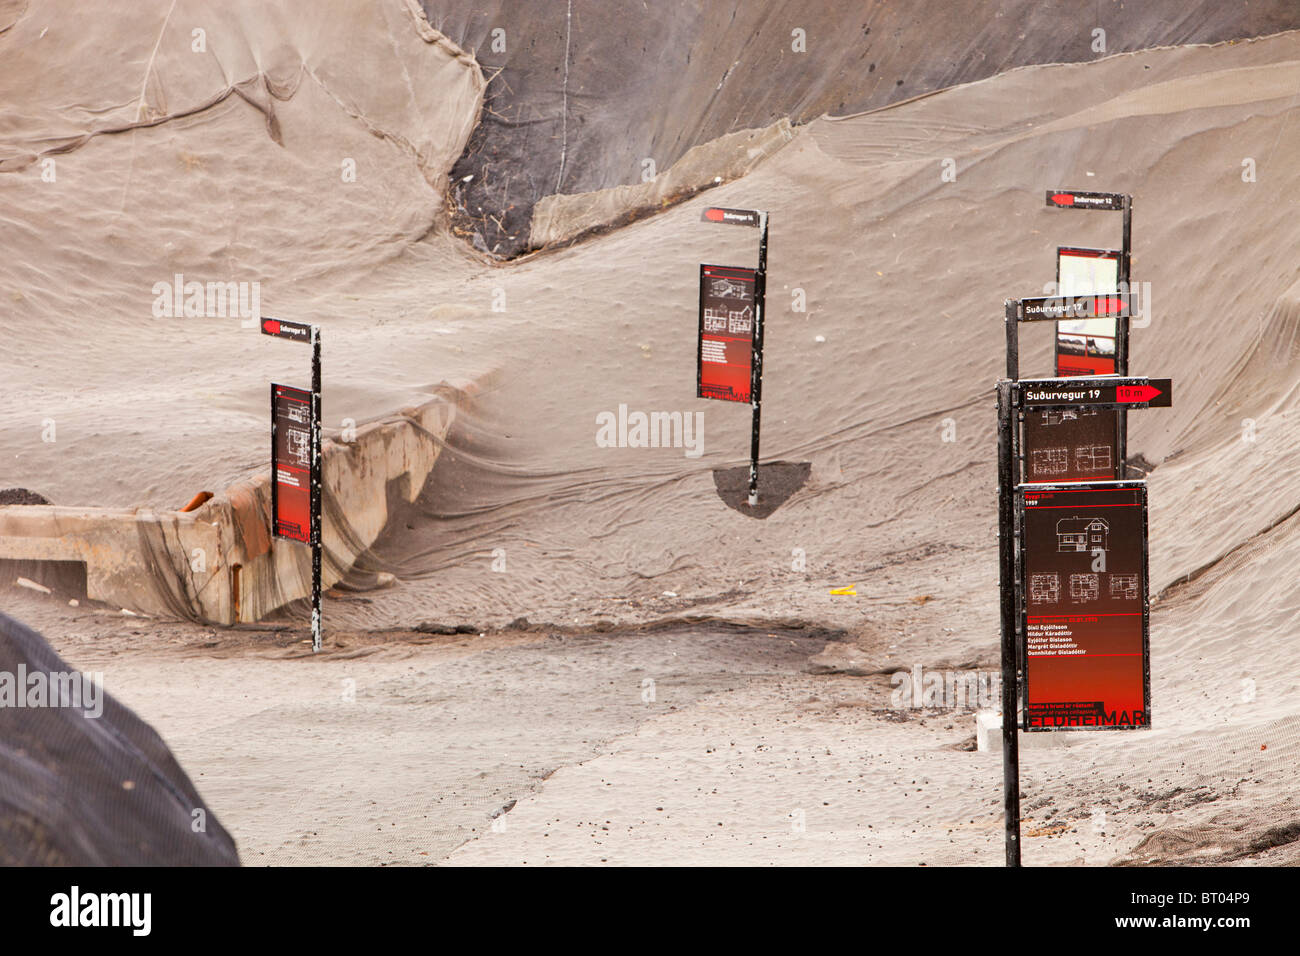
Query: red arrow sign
[(1094, 390), (1081, 199), (1136, 393), (1109, 305), (284, 329), (734, 217)]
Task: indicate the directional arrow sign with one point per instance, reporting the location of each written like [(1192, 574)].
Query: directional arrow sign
[(1125, 392), (1147, 394), (284, 329), (1076, 199), (734, 217), (1056, 308)]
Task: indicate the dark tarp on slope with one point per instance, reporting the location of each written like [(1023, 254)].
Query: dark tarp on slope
[(649, 80), (92, 791)]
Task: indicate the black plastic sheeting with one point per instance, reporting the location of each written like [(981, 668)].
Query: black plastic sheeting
[(84, 790), (585, 91)]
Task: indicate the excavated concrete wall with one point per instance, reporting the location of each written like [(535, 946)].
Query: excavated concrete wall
[(219, 563)]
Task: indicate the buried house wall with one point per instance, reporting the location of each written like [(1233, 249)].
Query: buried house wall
[(219, 563)]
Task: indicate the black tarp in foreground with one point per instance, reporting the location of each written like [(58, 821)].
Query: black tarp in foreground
[(86, 782)]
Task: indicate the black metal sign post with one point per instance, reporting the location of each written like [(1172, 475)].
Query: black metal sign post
[(1102, 391), (302, 332), (1007, 605), (1122, 203), (1085, 393), (758, 219)]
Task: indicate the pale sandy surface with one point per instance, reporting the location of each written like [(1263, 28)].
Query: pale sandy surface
[(904, 276)]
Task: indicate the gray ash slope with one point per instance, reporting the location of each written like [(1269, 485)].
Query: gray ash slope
[(581, 94)]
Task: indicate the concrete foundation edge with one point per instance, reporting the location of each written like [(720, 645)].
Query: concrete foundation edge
[(219, 564)]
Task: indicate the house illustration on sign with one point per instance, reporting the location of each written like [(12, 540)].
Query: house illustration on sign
[(728, 289), (1050, 461), (1092, 458), (1083, 588), (1082, 534), (1124, 586), (1044, 588), (741, 320), (1055, 416)]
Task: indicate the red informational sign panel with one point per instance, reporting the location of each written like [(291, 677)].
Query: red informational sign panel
[(726, 340), (1083, 564), (1086, 346), (291, 462)]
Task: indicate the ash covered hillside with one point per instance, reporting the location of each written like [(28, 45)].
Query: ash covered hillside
[(583, 94), (308, 150)]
